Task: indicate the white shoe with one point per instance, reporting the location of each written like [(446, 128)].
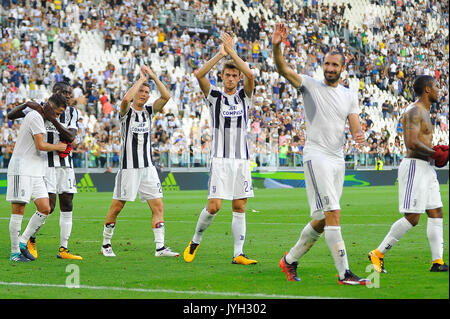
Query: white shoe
[(107, 251), (166, 252)]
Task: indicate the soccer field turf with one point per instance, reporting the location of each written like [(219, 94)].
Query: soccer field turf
[(275, 218)]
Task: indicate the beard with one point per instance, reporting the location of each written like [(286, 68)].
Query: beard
[(434, 99), (332, 78)]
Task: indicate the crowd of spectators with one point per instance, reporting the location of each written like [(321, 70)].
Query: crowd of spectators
[(145, 30)]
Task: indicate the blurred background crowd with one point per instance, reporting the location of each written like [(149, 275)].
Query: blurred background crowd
[(98, 47)]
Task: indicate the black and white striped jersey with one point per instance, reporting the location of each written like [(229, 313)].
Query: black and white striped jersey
[(136, 138), (68, 119), (230, 118)]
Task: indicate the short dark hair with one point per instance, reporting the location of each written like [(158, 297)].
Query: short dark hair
[(147, 84), (230, 64), (336, 52), (59, 85), (58, 100), (421, 82)]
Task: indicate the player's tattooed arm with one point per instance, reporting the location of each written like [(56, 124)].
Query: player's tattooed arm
[(412, 122)]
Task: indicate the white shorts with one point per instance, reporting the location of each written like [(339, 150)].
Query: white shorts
[(60, 180), (230, 179), (22, 189), (133, 180), (418, 187), (324, 179)]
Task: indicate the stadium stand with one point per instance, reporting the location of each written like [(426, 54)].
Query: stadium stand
[(99, 45)]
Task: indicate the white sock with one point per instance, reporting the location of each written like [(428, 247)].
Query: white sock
[(108, 232), (15, 226), (435, 234), (158, 231), (398, 229), (35, 223), (239, 229), (204, 220), (336, 245), (65, 225), (307, 239), (37, 229)]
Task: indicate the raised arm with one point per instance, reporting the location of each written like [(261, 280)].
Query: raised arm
[(128, 98), (249, 78), (17, 112), (283, 69), (159, 104), (201, 73)]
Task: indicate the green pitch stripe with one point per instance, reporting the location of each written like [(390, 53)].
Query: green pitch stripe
[(169, 291)]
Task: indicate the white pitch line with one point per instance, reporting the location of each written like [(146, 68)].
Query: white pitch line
[(182, 292), (215, 222)]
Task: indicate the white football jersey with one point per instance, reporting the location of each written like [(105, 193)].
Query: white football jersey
[(26, 159), (326, 110)]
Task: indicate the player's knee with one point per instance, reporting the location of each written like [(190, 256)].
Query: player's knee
[(213, 209), (66, 202), (318, 225), (333, 218), (413, 223), (214, 206), (413, 219), (435, 213), (238, 208), (66, 206), (46, 210)]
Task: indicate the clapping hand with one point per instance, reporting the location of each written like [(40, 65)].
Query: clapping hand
[(149, 72), (222, 51), (279, 34), (227, 42), (143, 73)]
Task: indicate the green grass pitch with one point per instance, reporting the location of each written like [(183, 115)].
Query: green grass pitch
[(275, 218)]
